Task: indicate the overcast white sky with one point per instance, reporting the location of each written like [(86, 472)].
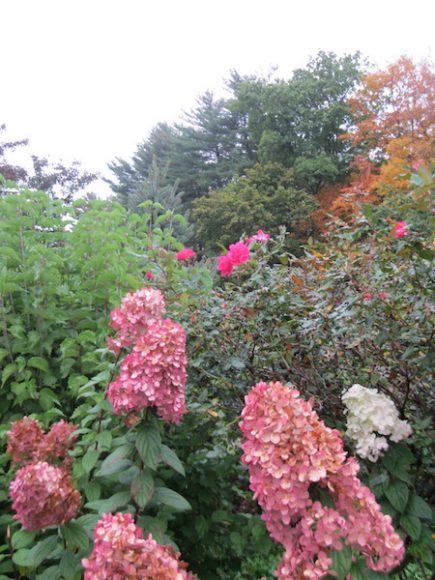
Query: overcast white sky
[(88, 79)]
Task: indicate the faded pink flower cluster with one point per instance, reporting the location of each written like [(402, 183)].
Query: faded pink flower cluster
[(27, 442), (260, 237), (121, 553), (138, 311), (154, 373), (288, 449), (237, 254), (43, 495)]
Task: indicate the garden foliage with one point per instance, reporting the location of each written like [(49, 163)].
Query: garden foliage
[(101, 307)]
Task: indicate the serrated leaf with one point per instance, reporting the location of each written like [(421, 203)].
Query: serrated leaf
[(111, 504), (38, 362), (148, 445), (142, 488), (115, 462), (170, 458), (9, 370), (69, 564), (75, 535), (93, 490), (171, 498), (411, 525), (397, 493), (89, 459)]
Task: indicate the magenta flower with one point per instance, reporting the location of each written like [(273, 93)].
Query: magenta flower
[(237, 254), (225, 266), (417, 164), (367, 296), (185, 254), (400, 229), (382, 295), (149, 275)]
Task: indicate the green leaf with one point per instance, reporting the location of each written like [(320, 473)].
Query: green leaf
[(170, 458), (75, 535), (419, 508), (42, 550), (171, 498), (342, 561), (38, 363), (115, 462), (411, 525), (90, 459), (397, 493), (22, 538), (24, 557), (148, 444), (69, 564), (111, 504), (9, 370), (398, 457), (93, 490), (142, 488), (104, 439)]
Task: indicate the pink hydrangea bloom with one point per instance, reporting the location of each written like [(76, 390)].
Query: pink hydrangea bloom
[(260, 236), (288, 448), (27, 442), (56, 443), (400, 229), (138, 311), (185, 254), (121, 553), (23, 439), (154, 373), (43, 495), (225, 266)]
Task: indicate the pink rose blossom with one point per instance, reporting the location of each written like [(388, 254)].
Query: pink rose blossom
[(185, 254), (138, 311), (382, 295), (238, 253), (43, 495), (120, 552), (367, 296), (149, 275), (400, 229), (153, 374), (225, 266)]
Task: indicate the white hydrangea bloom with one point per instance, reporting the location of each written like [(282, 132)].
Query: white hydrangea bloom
[(370, 414)]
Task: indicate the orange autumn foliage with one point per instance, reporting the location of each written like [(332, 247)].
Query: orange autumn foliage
[(394, 125)]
